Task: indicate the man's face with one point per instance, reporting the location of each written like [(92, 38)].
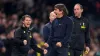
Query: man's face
[(37, 37), (52, 16), (58, 12), (11, 34), (27, 22), (77, 10)]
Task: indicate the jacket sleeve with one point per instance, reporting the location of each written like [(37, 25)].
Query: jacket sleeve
[(69, 28), (45, 33), (87, 35), (51, 34), (18, 42), (34, 46), (1, 44), (17, 36)]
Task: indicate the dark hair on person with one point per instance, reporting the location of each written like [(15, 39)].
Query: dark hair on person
[(62, 7), (81, 7), (23, 17)]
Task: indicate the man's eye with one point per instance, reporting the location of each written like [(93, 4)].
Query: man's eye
[(77, 9)]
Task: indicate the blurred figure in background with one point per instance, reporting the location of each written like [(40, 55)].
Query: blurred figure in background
[(36, 25), (98, 39), (2, 48), (40, 43), (2, 35), (47, 28), (9, 42)]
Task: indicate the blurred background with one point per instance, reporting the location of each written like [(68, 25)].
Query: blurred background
[(11, 12)]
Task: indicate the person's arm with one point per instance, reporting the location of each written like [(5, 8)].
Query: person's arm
[(45, 33), (69, 29), (87, 36), (13, 41), (2, 48), (51, 34), (17, 36), (18, 42)]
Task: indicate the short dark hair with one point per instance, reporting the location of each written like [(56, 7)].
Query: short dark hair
[(23, 17), (62, 7), (81, 7)]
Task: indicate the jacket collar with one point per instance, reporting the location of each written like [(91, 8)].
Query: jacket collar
[(24, 28), (78, 18)]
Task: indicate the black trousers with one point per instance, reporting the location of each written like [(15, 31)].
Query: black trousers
[(74, 52), (58, 51)]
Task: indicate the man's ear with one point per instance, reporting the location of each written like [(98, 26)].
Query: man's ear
[(82, 10), (61, 11)]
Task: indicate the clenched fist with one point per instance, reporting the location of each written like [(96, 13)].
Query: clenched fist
[(46, 45), (25, 42), (30, 51), (45, 51), (87, 50), (3, 50), (58, 44)]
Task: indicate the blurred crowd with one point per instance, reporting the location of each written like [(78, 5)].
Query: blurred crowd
[(11, 12)]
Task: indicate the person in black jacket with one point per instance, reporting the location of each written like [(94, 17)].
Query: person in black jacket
[(61, 30), (80, 36), (24, 34), (10, 41)]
